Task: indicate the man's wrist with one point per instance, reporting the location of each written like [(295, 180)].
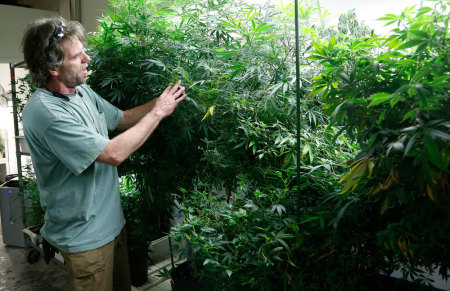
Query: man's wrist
[(155, 115)]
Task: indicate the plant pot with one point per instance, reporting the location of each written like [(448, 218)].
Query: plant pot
[(182, 278), (137, 259)]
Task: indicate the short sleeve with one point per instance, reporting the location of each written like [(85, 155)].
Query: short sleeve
[(74, 144)]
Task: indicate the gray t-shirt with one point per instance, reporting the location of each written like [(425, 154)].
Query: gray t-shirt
[(80, 196)]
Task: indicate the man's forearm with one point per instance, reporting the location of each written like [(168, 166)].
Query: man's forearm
[(146, 119), (132, 116), (123, 145)]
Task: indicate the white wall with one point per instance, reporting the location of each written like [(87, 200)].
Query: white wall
[(12, 22), (91, 11)]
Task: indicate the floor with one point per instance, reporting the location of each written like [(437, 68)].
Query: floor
[(16, 274)]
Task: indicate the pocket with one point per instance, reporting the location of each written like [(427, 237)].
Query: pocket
[(85, 263), (103, 125)]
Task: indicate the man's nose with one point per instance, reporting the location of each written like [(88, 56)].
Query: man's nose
[(86, 58)]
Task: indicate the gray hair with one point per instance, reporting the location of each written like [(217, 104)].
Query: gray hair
[(42, 48)]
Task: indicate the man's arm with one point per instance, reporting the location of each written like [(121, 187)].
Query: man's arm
[(132, 116), (123, 145)]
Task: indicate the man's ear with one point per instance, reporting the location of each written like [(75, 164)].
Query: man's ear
[(54, 72)]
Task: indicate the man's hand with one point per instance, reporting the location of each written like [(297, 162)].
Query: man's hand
[(123, 145), (169, 100), (132, 116)]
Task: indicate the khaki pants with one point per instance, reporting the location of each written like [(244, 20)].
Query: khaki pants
[(102, 269)]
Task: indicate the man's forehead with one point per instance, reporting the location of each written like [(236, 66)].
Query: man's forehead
[(72, 46)]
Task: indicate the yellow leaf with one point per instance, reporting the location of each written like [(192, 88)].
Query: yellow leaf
[(210, 112), (355, 175), (306, 150), (351, 171), (348, 185), (430, 193), (371, 165), (402, 245), (393, 178)]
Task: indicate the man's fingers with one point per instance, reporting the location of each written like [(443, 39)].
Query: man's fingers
[(167, 90), (178, 93), (175, 87), (184, 96)]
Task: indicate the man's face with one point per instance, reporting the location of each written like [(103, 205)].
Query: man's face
[(73, 71)]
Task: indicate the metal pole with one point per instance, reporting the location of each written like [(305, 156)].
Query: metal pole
[(12, 69), (297, 84), (16, 124)]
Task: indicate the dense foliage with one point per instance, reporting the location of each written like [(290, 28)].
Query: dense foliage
[(228, 154), (237, 64), (392, 96)]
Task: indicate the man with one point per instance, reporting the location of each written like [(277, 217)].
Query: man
[(66, 125)]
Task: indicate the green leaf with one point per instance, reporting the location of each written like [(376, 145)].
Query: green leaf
[(384, 205), (235, 73), (433, 152), (337, 110), (317, 90), (229, 272), (331, 43), (389, 17), (410, 115), (316, 57), (419, 33), (409, 128), (409, 145), (283, 243), (309, 219), (394, 43), (379, 98), (381, 118), (419, 75), (423, 11), (411, 43), (439, 134), (395, 100), (421, 48), (345, 77), (318, 48), (440, 80)]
